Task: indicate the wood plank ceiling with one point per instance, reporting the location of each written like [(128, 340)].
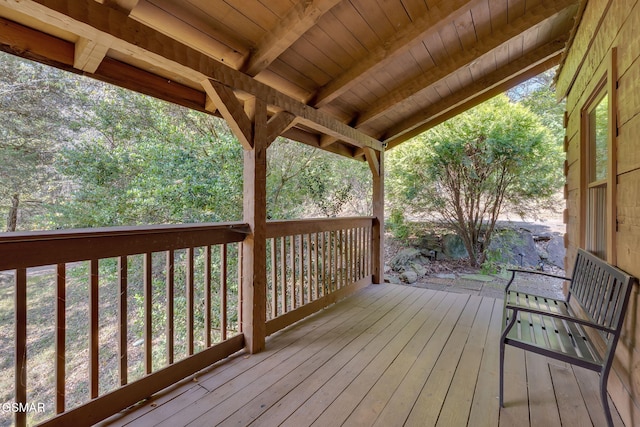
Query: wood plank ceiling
[(357, 74)]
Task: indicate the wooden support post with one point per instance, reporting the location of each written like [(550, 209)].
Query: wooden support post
[(254, 283), (250, 125), (376, 163)]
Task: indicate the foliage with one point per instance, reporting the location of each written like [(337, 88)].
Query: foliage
[(147, 162), (539, 96), (398, 225), (37, 119), (493, 157)]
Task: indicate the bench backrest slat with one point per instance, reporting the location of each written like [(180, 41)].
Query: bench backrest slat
[(601, 289)]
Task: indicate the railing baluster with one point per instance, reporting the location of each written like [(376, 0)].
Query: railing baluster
[(283, 272), (21, 344), (123, 274), (94, 346), (61, 326), (316, 282), (207, 296), (309, 284), (274, 280), (325, 258), (190, 297), (169, 290), (292, 254), (301, 270), (240, 262), (223, 292), (349, 246), (148, 312), (334, 261)]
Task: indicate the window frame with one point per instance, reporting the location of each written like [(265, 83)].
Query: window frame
[(606, 85)]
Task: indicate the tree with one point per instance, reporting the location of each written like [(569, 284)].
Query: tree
[(144, 161), (471, 168), (37, 120), (539, 96)]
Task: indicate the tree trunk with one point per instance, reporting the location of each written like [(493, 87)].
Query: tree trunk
[(12, 217)]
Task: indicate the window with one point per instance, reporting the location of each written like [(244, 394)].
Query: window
[(598, 164)]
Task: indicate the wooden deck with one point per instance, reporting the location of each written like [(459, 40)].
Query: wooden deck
[(389, 355)]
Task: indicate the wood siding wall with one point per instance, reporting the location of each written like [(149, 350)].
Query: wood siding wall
[(606, 25)]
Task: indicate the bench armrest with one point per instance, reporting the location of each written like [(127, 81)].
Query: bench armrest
[(573, 319), (540, 273)]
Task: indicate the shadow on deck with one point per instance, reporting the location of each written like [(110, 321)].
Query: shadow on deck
[(389, 355)]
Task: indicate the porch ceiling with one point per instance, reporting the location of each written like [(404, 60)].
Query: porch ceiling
[(355, 73)]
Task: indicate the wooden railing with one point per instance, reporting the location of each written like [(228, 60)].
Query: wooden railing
[(93, 332), (312, 263), (120, 324)]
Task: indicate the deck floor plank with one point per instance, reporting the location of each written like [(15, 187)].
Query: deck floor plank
[(379, 395), (345, 373), (388, 356), (427, 407), (484, 410), (328, 363), (401, 403), (541, 396), (573, 412), (232, 395), (457, 405)]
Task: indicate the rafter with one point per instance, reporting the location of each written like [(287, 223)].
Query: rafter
[(534, 17), (472, 101), (548, 54), (289, 29), (437, 17), (91, 19), (89, 54)]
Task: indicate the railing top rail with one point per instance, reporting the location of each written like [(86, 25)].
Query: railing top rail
[(32, 249), (315, 225)]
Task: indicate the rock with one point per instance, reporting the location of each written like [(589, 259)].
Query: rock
[(556, 251), (390, 278), (453, 247), (508, 245), (402, 260), (418, 268), (409, 276)]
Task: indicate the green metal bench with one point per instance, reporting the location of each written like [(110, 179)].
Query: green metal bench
[(555, 329)]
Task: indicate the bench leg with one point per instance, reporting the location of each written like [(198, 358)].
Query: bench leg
[(510, 321), (603, 396), (502, 373)]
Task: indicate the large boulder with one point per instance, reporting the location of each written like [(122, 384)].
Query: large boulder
[(402, 260), (453, 247), (556, 251), (515, 247), (409, 263)]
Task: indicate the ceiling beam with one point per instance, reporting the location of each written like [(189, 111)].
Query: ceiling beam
[(472, 101), (89, 54), (289, 29), (434, 19), (35, 45), (86, 17), (534, 17), (549, 53)]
